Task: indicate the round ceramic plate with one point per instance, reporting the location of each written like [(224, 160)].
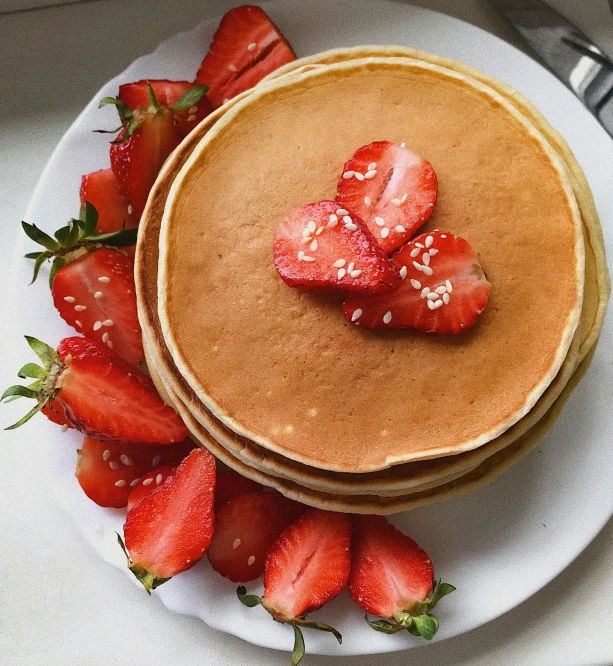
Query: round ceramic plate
[(498, 545)]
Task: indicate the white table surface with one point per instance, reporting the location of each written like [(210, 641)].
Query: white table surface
[(59, 604)]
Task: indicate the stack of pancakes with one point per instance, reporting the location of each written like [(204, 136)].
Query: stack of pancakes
[(274, 381)]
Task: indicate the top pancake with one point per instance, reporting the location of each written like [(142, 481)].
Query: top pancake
[(282, 368)]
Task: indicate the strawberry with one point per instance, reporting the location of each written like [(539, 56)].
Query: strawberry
[(55, 413), (323, 247), (230, 484), (110, 473), (245, 529), (392, 577), (102, 191), (391, 188), (169, 530), (147, 483), (101, 394), (167, 93), (96, 295), (147, 137), (444, 289), (307, 566), (246, 47)]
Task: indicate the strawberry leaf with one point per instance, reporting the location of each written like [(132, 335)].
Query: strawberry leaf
[(45, 353), (321, 626), (426, 625), (124, 111), (383, 626), (40, 237), (148, 580), (28, 416), (298, 651), (18, 391), (249, 600), (189, 98), (32, 370)]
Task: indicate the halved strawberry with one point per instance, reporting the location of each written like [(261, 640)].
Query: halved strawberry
[(245, 529), (246, 47), (444, 289), (306, 567), (54, 411), (230, 484), (147, 483), (111, 473), (391, 188), (167, 93), (392, 577), (102, 190), (96, 295), (101, 394), (169, 530), (323, 247)]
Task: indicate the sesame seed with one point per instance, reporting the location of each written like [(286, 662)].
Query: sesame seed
[(448, 285), (432, 251), (226, 100), (342, 211), (68, 359), (113, 465), (403, 145), (130, 210), (307, 258), (431, 305), (300, 255), (124, 459), (403, 272), (98, 294), (252, 46), (333, 221), (191, 118), (339, 263), (385, 232), (358, 176), (437, 304), (429, 241), (370, 174), (250, 561), (148, 481), (69, 299), (418, 267), (156, 461), (109, 344), (367, 202), (236, 543), (80, 308), (104, 278), (380, 221), (420, 245), (404, 198), (97, 325), (311, 226), (387, 317), (372, 165), (158, 479), (441, 290), (313, 246), (348, 174), (78, 323), (341, 273), (414, 251), (432, 296), (396, 202), (427, 270), (399, 228), (134, 482), (106, 455), (356, 314), (192, 109), (443, 235), (232, 68), (121, 483), (445, 298), (107, 322), (347, 219), (307, 239), (351, 226), (425, 291), (351, 267), (416, 284), (356, 273), (319, 231), (426, 258)]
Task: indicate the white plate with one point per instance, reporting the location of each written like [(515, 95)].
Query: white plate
[(498, 545)]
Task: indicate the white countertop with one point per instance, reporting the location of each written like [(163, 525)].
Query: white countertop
[(59, 604)]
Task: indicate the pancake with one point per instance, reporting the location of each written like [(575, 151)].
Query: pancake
[(482, 395)]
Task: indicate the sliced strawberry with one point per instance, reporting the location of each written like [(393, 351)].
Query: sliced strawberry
[(102, 190), (323, 247), (167, 93), (306, 567), (55, 413), (170, 529), (444, 289), (246, 47), (245, 529), (392, 577), (110, 473), (147, 483), (230, 484), (391, 188), (101, 394), (96, 295)]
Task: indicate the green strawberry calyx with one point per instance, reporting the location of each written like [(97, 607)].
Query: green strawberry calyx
[(148, 580)]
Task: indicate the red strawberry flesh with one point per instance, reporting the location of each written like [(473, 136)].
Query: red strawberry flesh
[(326, 248), (230, 484), (391, 188), (101, 189), (445, 295), (147, 483)]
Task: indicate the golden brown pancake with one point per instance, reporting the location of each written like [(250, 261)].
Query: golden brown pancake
[(245, 342)]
